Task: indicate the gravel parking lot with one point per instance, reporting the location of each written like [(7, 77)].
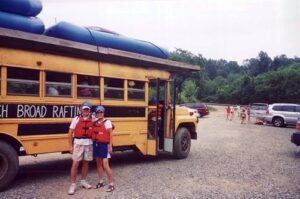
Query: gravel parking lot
[(229, 160)]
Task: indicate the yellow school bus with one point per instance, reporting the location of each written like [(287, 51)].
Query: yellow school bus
[(44, 81)]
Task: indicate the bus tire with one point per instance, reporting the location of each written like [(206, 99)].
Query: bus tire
[(9, 164), (182, 143)]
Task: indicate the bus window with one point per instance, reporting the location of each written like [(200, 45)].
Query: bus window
[(88, 86), (152, 90), (22, 82), (58, 84), (113, 88), (136, 90)]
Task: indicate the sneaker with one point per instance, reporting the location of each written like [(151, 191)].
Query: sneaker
[(72, 189), (85, 185)]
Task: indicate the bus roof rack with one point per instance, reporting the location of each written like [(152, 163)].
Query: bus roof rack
[(41, 43)]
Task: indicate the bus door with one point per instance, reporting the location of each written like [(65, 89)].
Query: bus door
[(159, 116), (170, 115)]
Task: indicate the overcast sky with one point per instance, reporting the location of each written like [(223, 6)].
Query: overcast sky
[(230, 29)]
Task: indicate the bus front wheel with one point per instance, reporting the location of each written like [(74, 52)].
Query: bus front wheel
[(182, 143), (9, 164)]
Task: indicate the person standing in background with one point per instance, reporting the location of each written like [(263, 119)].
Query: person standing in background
[(248, 113), (238, 110), (243, 116), (231, 113), (228, 113)]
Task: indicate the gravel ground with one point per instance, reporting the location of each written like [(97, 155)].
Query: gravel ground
[(229, 160)]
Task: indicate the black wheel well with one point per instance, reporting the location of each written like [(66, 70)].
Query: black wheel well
[(277, 117), (191, 127), (12, 141)]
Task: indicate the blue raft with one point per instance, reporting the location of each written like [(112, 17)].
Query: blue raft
[(22, 7), (23, 23), (72, 32)]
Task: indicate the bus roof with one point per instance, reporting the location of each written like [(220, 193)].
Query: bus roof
[(41, 43)]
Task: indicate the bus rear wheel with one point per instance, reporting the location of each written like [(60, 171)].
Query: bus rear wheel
[(182, 143), (9, 164)]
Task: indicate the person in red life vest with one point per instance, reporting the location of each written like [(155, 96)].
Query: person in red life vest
[(159, 111), (81, 145), (228, 111), (155, 116), (102, 147)]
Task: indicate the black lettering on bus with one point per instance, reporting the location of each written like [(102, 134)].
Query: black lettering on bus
[(61, 111)]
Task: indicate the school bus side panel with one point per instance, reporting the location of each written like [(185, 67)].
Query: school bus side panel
[(127, 72), (42, 144), (130, 133), (38, 60)]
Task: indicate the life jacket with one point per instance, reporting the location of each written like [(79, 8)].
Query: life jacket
[(84, 128), (243, 114), (159, 112), (101, 134), (228, 109)]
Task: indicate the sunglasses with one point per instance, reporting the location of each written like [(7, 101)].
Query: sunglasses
[(99, 112)]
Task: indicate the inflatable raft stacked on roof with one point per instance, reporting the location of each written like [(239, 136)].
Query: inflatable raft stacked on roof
[(106, 39), (21, 15), (15, 39)]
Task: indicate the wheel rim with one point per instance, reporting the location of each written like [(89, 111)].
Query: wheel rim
[(184, 143), (3, 165), (277, 122)]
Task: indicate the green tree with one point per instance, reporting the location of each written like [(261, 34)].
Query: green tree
[(259, 79), (189, 93), (279, 86), (260, 64)]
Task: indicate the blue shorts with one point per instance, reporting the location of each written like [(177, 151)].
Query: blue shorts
[(100, 150)]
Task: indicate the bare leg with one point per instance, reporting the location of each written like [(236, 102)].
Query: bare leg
[(107, 170), (99, 168), (85, 169), (74, 170)]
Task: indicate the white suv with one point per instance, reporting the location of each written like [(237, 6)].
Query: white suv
[(283, 114), (258, 109)]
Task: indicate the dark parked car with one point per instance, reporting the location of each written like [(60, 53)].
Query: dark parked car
[(200, 107), (296, 136)]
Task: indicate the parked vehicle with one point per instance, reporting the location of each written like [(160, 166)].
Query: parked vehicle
[(296, 136), (258, 110), (200, 107), (282, 114), (193, 112), (34, 121)]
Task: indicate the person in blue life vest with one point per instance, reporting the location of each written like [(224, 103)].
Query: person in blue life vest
[(102, 147), (81, 145)]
